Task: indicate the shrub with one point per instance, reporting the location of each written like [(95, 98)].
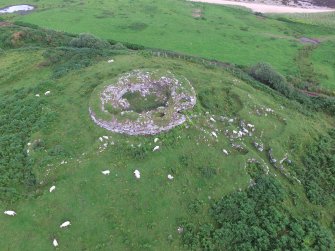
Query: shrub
[(135, 47), (264, 73), (318, 173), (139, 153), (17, 36), (86, 40), (24, 24), (255, 220), (20, 115), (67, 59), (118, 46)]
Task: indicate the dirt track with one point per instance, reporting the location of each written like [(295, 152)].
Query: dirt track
[(265, 8)]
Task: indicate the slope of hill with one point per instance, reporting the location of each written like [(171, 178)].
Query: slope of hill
[(214, 32), (243, 144)]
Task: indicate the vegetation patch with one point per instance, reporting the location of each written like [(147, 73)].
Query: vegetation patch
[(318, 174), (247, 170), (254, 219), (140, 104), (20, 116)]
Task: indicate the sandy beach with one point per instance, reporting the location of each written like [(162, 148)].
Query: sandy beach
[(265, 8)]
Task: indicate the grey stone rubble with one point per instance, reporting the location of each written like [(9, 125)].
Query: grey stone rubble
[(271, 158), (143, 82), (259, 146)]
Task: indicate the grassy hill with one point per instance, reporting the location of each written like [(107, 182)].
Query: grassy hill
[(216, 32), (51, 140)]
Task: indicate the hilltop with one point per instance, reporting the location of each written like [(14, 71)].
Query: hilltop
[(247, 155)]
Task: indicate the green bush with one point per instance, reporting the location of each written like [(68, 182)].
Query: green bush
[(24, 24), (66, 59), (264, 73), (18, 37), (318, 172), (20, 115), (255, 220), (135, 47), (86, 40), (118, 46)]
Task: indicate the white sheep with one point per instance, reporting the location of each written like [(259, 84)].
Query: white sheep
[(156, 139), (156, 148), (52, 189), (55, 243), (180, 230), (110, 61), (106, 172), (65, 224), (137, 174), (211, 119), (225, 151), (214, 134), (10, 213), (105, 137), (47, 93), (170, 177), (37, 95)]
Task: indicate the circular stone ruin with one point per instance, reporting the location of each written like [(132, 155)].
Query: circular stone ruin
[(142, 102)]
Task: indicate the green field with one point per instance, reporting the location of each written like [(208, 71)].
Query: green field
[(118, 212), (253, 164), (228, 34)]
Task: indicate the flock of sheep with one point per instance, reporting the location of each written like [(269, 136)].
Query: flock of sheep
[(65, 224)]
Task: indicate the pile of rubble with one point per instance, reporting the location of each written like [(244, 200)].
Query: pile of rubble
[(181, 96)]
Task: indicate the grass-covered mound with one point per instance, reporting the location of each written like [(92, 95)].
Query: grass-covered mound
[(245, 151)]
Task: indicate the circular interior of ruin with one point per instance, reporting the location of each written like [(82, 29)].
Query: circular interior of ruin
[(142, 102)]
